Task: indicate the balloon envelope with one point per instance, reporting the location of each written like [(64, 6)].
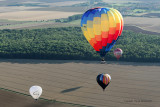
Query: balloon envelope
[(35, 91), (103, 80), (118, 53), (102, 28)]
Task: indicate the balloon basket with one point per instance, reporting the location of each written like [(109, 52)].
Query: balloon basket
[(103, 62)]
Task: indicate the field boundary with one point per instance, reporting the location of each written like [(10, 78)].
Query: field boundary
[(43, 99)]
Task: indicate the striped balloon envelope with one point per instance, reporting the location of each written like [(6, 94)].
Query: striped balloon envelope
[(118, 53), (102, 28), (103, 80)]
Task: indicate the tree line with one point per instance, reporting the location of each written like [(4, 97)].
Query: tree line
[(68, 43), (69, 19)]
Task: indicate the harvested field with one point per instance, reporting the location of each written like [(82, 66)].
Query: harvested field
[(65, 3), (152, 15), (143, 25), (137, 24), (35, 15), (7, 22), (149, 24), (139, 30), (132, 84), (120, 1), (80, 9), (15, 9)]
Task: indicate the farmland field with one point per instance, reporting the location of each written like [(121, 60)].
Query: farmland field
[(70, 83), (14, 9), (149, 24), (38, 14), (136, 24), (20, 100), (121, 1), (35, 15), (132, 84)]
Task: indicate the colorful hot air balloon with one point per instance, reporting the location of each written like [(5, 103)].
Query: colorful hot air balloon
[(118, 53), (103, 80), (102, 28)]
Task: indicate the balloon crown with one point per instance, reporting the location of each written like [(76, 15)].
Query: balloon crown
[(96, 8)]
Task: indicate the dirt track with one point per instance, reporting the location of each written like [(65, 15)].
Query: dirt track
[(132, 84)]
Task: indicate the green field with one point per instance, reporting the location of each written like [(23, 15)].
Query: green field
[(75, 22)]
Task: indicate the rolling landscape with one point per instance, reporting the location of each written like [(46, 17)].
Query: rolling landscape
[(42, 44)]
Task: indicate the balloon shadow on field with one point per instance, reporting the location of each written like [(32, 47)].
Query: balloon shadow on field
[(71, 89)]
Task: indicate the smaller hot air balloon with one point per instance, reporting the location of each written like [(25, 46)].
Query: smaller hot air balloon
[(35, 91), (118, 53), (103, 80)]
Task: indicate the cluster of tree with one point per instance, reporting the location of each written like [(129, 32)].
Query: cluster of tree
[(69, 43), (139, 47), (69, 19)]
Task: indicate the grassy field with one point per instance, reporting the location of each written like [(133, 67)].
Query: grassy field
[(132, 84)]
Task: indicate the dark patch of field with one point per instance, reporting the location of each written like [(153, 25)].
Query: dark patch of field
[(139, 30), (145, 23), (151, 15)]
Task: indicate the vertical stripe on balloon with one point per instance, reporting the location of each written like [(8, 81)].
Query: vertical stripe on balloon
[(105, 28), (112, 26), (104, 79), (97, 29), (118, 24), (121, 18)]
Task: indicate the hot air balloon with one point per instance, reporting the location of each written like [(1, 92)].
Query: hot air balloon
[(35, 91), (102, 28), (103, 80), (118, 53)]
